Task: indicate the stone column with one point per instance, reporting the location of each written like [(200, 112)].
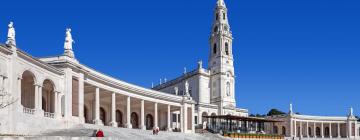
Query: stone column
[(97, 107), (338, 130), (142, 121), (322, 130), (177, 120), (68, 93), (113, 122), (301, 131), (19, 106), (295, 130), (128, 115), (36, 103), (184, 118), (193, 118), (38, 100), (349, 129), (291, 128), (168, 118), (330, 130), (314, 129), (81, 98), (57, 103), (156, 115), (307, 130)]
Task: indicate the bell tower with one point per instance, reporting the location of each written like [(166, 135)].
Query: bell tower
[(222, 88)]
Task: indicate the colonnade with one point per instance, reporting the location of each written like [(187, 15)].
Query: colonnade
[(65, 108), (323, 129)]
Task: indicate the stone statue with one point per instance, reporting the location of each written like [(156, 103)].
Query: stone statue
[(187, 88), (176, 89), (68, 40), (184, 70), (11, 34), (200, 64), (291, 108), (351, 111), (68, 43)]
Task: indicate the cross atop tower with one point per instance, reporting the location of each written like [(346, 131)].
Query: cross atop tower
[(220, 3)]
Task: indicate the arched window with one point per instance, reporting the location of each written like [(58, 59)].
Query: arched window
[(228, 88), (226, 28), (216, 28), (227, 48), (134, 120), (217, 16), (283, 130), (309, 130), (149, 122), (119, 118), (318, 131), (224, 16), (214, 48), (327, 132)]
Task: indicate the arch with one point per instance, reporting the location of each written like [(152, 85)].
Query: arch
[(202, 118), (102, 115), (28, 82), (214, 48), (309, 131), (149, 122), (227, 52), (327, 132), (318, 131), (48, 94), (276, 130), (119, 116), (134, 120), (283, 131)]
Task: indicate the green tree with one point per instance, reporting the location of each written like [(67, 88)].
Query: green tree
[(275, 112)]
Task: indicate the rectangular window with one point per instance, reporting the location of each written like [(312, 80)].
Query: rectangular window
[(174, 117), (178, 117), (196, 120)]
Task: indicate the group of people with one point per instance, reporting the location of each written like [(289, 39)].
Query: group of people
[(100, 133), (156, 130)]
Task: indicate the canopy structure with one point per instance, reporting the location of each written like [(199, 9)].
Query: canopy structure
[(240, 124)]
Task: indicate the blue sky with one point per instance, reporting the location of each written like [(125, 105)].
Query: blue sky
[(305, 52)]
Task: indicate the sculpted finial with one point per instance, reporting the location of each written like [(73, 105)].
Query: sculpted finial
[(200, 63), (68, 43), (11, 35), (187, 88), (176, 89)]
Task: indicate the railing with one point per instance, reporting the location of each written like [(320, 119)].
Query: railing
[(28, 111), (49, 115)]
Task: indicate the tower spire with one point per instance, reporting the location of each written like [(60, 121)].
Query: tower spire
[(221, 59)]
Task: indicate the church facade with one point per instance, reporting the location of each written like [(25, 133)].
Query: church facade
[(60, 92)]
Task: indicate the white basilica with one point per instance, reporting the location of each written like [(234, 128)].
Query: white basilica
[(60, 92)]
